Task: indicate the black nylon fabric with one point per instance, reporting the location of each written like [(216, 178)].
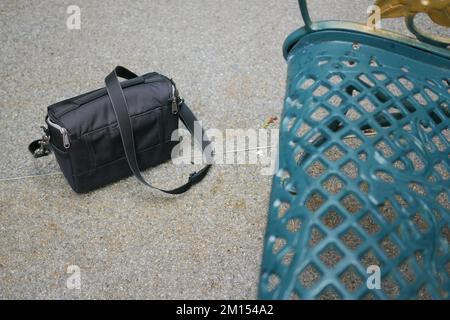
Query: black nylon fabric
[(96, 156), (120, 106)]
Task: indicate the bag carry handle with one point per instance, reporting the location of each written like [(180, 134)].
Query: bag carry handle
[(120, 107)]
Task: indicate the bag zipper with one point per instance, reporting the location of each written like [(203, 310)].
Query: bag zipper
[(174, 101), (80, 100), (175, 97), (63, 131)]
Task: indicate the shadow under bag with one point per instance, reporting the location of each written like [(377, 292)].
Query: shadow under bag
[(111, 133)]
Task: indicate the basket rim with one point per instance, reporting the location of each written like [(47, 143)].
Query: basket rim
[(353, 27)]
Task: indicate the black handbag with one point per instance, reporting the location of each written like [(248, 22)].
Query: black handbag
[(111, 133)]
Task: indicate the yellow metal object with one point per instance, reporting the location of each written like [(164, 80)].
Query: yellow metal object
[(438, 10)]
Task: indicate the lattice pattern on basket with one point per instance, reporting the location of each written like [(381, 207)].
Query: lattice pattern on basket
[(363, 179)]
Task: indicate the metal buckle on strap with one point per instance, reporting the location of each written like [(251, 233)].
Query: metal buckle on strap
[(43, 149), (192, 176)]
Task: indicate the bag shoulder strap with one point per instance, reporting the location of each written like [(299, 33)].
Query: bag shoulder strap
[(120, 107)]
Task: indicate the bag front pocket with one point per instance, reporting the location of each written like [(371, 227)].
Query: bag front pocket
[(65, 164), (106, 146)]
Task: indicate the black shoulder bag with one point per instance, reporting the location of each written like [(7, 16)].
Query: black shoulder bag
[(111, 133)]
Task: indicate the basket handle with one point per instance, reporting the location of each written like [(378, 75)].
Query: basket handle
[(409, 20), (423, 36), (305, 14)]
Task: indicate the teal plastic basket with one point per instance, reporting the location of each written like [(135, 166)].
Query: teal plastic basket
[(362, 191)]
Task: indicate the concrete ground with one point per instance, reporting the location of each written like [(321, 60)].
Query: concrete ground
[(127, 241)]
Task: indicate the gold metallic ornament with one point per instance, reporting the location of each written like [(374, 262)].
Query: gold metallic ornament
[(438, 10)]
